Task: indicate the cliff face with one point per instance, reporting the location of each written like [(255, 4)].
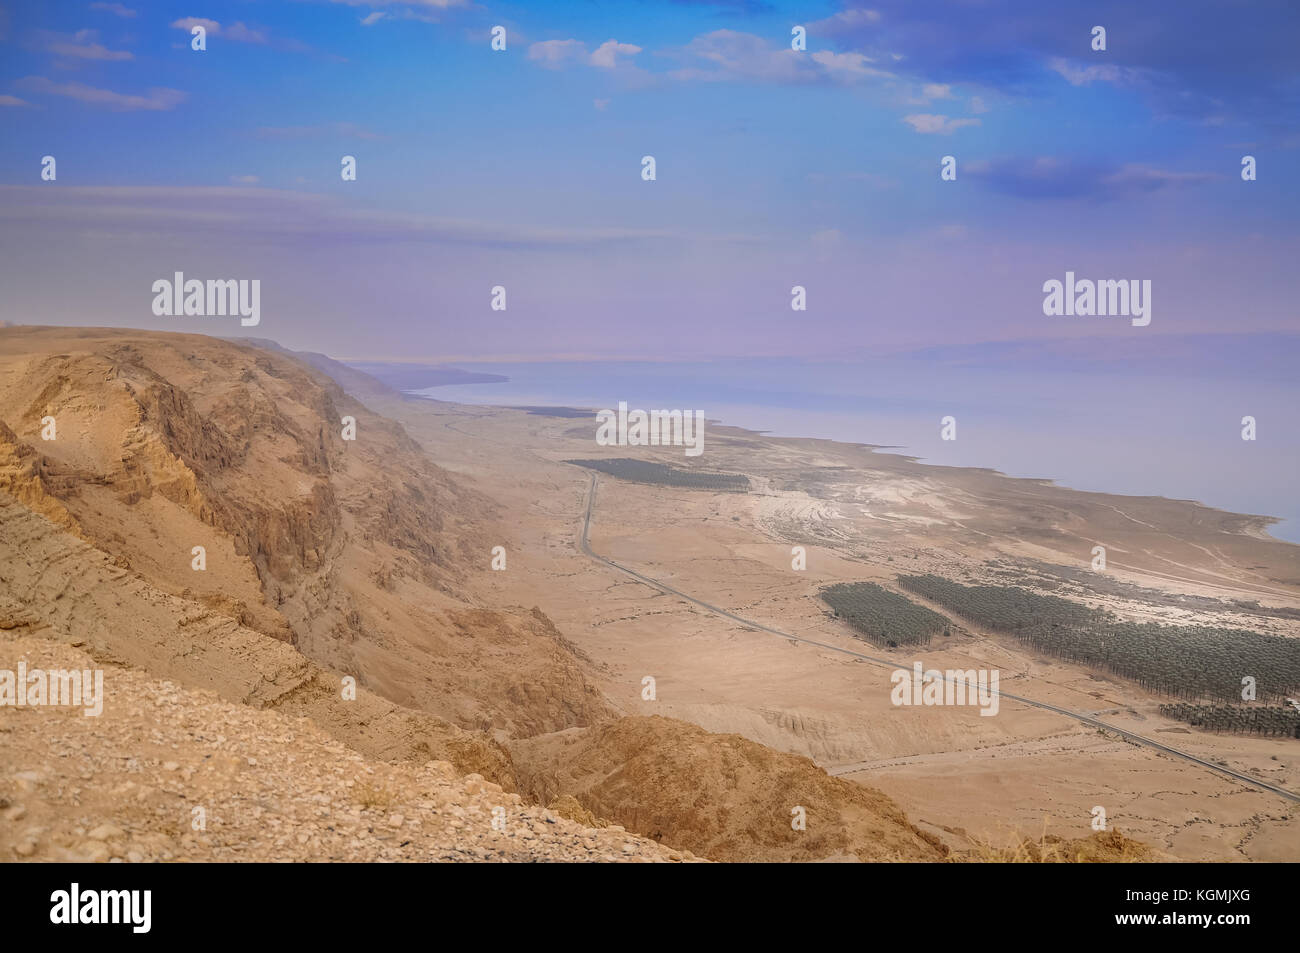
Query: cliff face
[(355, 551), (25, 476), (59, 588)]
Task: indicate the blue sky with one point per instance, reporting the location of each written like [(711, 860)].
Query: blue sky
[(775, 168)]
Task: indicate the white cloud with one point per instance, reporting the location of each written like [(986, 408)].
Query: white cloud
[(82, 45), (372, 18), (157, 99), (245, 179), (977, 105), (846, 65), (555, 54), (115, 8), (13, 101), (731, 55), (606, 55), (244, 34), (1144, 177), (735, 55), (189, 23), (848, 18), (928, 123), (238, 31), (1077, 75), (936, 91)]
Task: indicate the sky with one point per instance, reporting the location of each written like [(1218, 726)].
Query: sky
[(775, 167)]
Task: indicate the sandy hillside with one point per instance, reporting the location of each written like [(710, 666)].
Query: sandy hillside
[(172, 774)]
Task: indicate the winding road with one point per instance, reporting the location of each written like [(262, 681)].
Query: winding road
[(585, 546)]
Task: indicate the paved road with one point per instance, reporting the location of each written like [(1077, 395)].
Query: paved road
[(585, 546)]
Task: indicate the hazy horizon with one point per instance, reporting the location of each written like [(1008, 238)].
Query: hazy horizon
[(1130, 442)]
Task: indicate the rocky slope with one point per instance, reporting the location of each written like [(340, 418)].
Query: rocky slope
[(722, 796), (170, 774)]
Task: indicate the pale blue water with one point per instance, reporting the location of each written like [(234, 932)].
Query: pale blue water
[(1093, 426)]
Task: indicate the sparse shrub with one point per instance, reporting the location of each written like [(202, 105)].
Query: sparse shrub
[(371, 796)]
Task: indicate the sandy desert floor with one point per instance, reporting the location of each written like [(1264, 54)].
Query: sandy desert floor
[(868, 515)]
